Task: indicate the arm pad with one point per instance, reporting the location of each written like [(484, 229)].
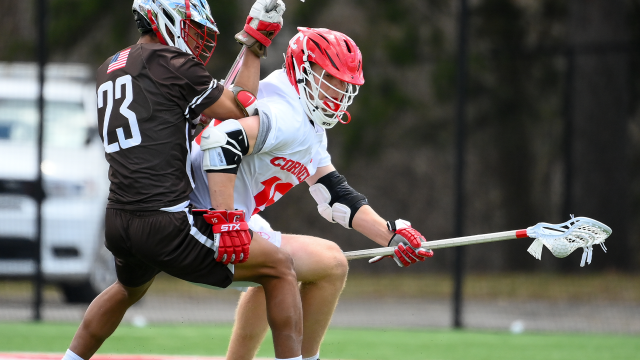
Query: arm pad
[(337, 201), (246, 101), (224, 146)]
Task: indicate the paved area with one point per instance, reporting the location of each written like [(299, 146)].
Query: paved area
[(400, 313)]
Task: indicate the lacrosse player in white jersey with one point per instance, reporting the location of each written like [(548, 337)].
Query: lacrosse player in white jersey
[(250, 163)]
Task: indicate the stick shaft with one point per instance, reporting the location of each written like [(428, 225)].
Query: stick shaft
[(235, 68), (441, 244)]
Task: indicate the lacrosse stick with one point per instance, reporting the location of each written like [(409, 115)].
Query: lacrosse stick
[(560, 239), (235, 68)]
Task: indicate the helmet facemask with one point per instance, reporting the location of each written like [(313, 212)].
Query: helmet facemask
[(202, 44), (328, 111)]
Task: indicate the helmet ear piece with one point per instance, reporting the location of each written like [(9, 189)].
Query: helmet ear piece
[(144, 26)]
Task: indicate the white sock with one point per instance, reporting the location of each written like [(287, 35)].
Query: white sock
[(70, 355), (295, 358), (314, 357)]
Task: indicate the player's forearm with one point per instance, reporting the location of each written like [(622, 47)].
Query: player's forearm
[(221, 190), (225, 108), (249, 74), (367, 222)]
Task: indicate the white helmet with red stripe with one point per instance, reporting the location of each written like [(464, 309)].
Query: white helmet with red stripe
[(338, 56), (171, 20)]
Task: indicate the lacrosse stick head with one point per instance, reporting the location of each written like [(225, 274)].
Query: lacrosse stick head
[(563, 239)]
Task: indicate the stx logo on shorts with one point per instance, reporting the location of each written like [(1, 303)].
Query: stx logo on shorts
[(291, 166), (230, 227)]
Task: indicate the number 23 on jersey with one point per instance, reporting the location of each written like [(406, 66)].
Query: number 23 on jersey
[(108, 89)]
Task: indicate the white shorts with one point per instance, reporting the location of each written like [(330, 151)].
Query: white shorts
[(261, 226)]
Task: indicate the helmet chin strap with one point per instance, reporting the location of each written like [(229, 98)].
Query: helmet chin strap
[(335, 107), (348, 117)]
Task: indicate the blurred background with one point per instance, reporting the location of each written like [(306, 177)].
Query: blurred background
[(552, 128)]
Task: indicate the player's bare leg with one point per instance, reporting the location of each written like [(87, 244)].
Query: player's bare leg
[(322, 269), (272, 268), (103, 316)]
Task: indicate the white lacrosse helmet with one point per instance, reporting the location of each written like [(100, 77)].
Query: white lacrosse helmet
[(171, 20), (338, 56)]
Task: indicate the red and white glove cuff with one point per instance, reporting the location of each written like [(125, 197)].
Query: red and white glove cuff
[(403, 229), (262, 26)]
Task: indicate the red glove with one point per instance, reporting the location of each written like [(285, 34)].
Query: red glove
[(407, 242), (263, 24), (232, 236)]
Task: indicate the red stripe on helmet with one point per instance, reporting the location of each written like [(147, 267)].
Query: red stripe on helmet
[(154, 26), (187, 5)]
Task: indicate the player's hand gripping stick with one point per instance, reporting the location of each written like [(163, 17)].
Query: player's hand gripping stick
[(235, 68), (232, 236), (263, 24), (406, 243)]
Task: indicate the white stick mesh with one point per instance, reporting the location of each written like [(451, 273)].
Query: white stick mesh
[(563, 239)]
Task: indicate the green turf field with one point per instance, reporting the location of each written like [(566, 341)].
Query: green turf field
[(364, 344)]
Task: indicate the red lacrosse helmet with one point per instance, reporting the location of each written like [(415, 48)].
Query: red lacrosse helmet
[(337, 55)]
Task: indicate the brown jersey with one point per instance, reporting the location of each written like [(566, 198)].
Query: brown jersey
[(148, 96)]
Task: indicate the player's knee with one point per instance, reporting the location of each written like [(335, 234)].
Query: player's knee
[(281, 265), (340, 265), (336, 264), (133, 294), (285, 265)]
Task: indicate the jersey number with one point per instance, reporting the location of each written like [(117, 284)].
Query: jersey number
[(122, 142), (273, 190)]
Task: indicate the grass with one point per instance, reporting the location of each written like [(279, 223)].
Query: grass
[(356, 344)]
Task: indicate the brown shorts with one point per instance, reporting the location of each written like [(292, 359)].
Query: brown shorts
[(147, 242)]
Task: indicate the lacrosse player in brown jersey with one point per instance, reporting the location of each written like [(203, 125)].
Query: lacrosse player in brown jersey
[(149, 96)]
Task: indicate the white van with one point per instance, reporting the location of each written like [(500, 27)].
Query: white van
[(74, 174)]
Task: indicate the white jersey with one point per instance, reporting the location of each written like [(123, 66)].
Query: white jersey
[(292, 149)]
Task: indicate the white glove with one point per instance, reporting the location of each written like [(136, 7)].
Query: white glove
[(262, 26)]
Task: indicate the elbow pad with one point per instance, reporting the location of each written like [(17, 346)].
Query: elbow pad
[(246, 101), (223, 146), (337, 201)]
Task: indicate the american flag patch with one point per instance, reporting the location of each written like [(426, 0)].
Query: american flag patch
[(118, 61)]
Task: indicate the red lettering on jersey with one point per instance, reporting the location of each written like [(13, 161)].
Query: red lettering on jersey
[(293, 167), (287, 165), (263, 196), (273, 190), (303, 175), (275, 161)]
